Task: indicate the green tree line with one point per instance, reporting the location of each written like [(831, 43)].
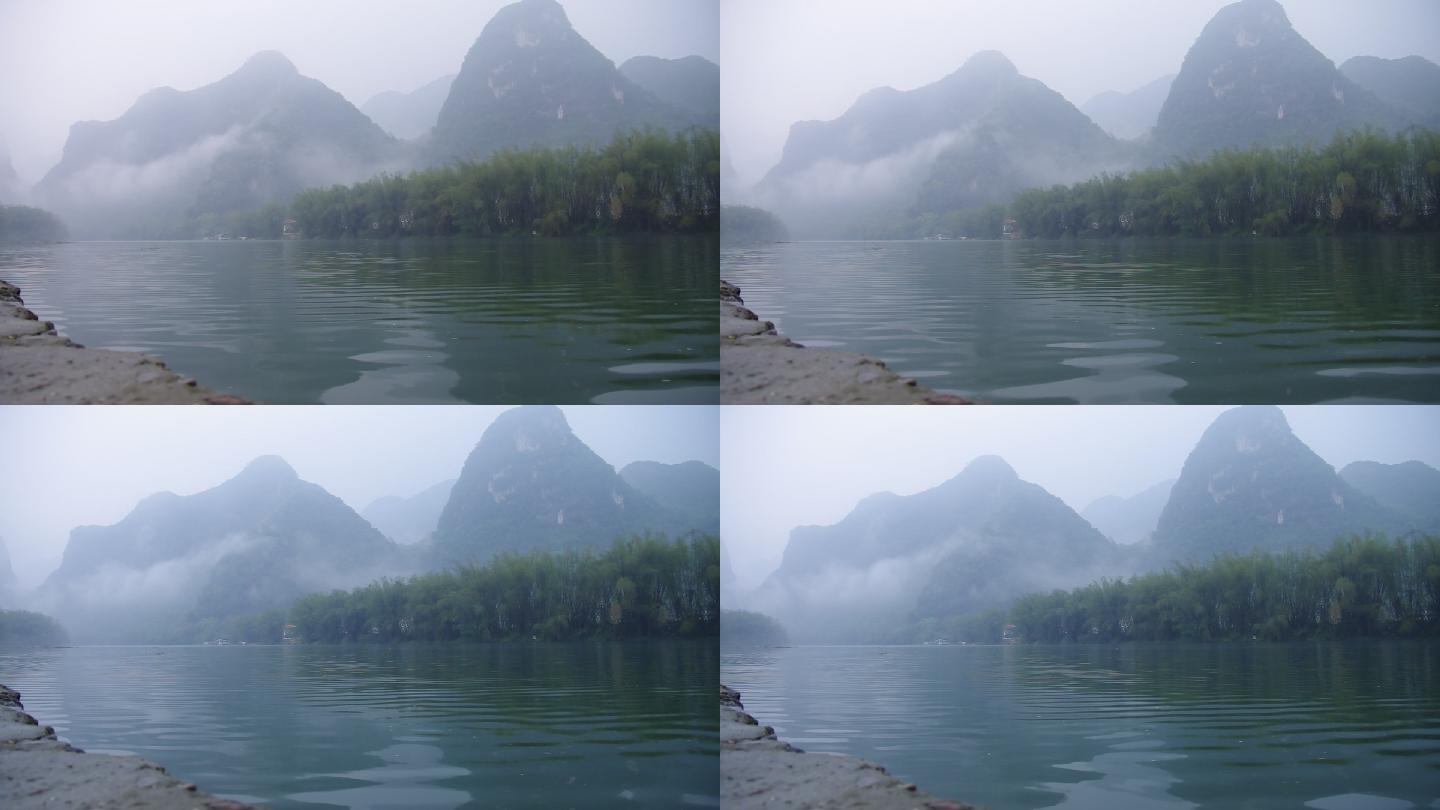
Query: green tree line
[(642, 181), (1362, 181), (19, 627), (21, 223), (1363, 586), (642, 587)]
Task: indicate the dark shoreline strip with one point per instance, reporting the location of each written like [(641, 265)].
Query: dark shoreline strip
[(37, 770), (41, 367), (757, 770), (759, 366)]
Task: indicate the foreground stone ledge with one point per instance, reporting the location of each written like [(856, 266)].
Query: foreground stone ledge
[(39, 771), (40, 367), (761, 367), (759, 771)]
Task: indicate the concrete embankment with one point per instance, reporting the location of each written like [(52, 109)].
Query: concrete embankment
[(38, 366), (758, 366), (39, 771), (759, 771)]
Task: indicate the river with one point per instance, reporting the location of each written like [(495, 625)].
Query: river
[(1332, 726), (591, 724), (555, 321), (1221, 321)]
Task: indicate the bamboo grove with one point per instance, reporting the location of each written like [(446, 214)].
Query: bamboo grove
[(1361, 587), (642, 587), (1362, 181), (642, 181)]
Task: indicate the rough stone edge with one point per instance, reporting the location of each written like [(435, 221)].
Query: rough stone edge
[(886, 387), (747, 735), (162, 790), (166, 387)]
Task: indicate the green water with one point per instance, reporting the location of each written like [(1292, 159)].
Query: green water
[(555, 321), (500, 725), (1221, 321), (1329, 726)]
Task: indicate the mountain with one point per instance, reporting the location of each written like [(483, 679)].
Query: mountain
[(971, 543), (1251, 484), (10, 185), (531, 485), (531, 80), (253, 543), (409, 115), (409, 520), (1411, 489), (691, 83), (1129, 115), (1411, 84), (8, 587), (727, 575), (1129, 520), (1251, 78), (176, 159), (972, 138), (691, 489)]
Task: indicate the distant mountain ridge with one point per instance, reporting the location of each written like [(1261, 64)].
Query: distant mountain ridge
[(1129, 520), (691, 83), (972, 138), (1412, 84), (691, 488), (254, 137), (531, 80), (1129, 115), (255, 542), (973, 542), (1411, 489), (409, 115), (409, 520)]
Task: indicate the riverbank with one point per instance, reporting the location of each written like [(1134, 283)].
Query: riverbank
[(39, 366), (757, 770), (39, 771), (759, 366)]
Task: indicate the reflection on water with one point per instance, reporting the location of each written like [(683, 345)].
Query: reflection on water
[(1188, 321), (1330, 726), (494, 321), (444, 726)]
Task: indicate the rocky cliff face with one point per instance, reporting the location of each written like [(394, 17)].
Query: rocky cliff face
[(531, 80), (532, 485), (1251, 484), (1251, 78)]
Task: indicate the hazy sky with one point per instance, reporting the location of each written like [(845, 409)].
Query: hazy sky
[(75, 466), (783, 467), (784, 61), (63, 61)]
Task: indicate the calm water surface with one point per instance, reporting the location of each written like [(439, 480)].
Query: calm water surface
[(1327, 726), (1157, 321), (615, 320), (505, 725)]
